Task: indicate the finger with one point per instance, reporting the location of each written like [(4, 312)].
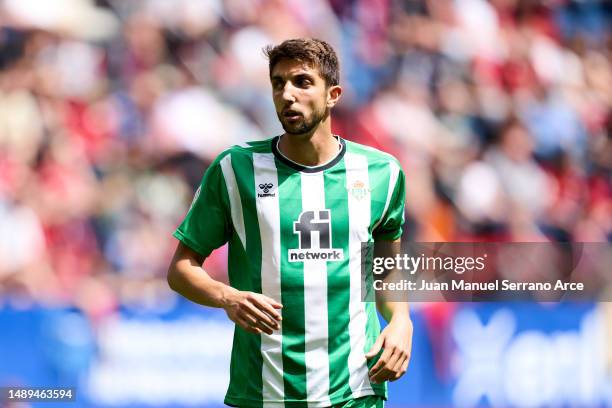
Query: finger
[(274, 303), (388, 371), (248, 325), (396, 369), (405, 365), (261, 303), (260, 316), (375, 347), (383, 375), (392, 362), (402, 370), (399, 362), (256, 326), (265, 327), (380, 364), (266, 304), (383, 369), (253, 323)]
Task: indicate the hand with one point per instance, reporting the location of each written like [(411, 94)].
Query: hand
[(254, 312), (396, 340)]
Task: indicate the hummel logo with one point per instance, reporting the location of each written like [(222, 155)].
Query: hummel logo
[(266, 187)]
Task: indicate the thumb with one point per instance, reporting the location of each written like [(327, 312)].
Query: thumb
[(375, 347)]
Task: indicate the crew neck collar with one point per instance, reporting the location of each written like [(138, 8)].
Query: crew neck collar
[(308, 169)]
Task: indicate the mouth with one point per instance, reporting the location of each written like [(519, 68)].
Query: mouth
[(291, 115)]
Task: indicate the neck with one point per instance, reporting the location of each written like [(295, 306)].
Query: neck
[(310, 149)]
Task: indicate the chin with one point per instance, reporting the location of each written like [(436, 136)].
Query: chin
[(295, 131)]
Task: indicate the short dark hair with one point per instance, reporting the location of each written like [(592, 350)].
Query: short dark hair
[(316, 53)]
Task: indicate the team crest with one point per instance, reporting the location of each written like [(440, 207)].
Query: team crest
[(359, 190)]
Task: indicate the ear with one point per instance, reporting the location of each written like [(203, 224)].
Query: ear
[(333, 95)]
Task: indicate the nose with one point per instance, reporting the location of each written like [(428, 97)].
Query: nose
[(288, 92)]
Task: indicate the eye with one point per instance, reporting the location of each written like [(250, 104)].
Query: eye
[(302, 82)]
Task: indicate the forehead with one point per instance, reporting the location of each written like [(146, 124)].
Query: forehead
[(290, 68)]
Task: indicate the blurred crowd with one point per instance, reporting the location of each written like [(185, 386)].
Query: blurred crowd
[(110, 111)]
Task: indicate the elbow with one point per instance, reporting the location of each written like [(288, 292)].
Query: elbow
[(179, 273), (171, 278)]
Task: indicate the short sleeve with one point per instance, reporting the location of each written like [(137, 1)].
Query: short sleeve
[(390, 227), (207, 223)]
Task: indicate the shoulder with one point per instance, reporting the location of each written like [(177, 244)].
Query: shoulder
[(254, 146), (244, 150), (374, 156)]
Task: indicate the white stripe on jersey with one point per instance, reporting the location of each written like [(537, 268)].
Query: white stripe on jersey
[(268, 216), (234, 197), (359, 221), (315, 301), (393, 174)]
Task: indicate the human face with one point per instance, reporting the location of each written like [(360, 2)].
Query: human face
[(300, 96)]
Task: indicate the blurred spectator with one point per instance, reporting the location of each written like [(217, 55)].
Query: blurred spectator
[(110, 112)]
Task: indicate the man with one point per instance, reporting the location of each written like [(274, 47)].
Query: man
[(295, 209)]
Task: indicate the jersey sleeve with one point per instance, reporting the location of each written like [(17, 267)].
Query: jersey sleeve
[(390, 227), (207, 224)]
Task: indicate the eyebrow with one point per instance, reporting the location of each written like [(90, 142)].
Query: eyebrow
[(300, 75), (304, 75)]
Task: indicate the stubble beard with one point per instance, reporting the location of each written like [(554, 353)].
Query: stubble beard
[(306, 125)]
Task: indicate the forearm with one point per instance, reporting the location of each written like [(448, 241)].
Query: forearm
[(190, 280), (387, 308), (396, 311), (395, 342)]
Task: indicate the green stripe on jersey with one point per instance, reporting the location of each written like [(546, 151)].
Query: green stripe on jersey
[(246, 276), (380, 187), (268, 215), (292, 287), (338, 285)]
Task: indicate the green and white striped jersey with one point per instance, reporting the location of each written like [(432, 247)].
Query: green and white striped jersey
[(295, 235)]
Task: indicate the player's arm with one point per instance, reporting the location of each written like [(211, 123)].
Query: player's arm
[(396, 338), (253, 312), (208, 226), (389, 309), (396, 342)]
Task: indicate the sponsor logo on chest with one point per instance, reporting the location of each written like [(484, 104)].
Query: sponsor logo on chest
[(314, 234)]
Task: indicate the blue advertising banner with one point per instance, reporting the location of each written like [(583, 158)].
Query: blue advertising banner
[(514, 354)]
